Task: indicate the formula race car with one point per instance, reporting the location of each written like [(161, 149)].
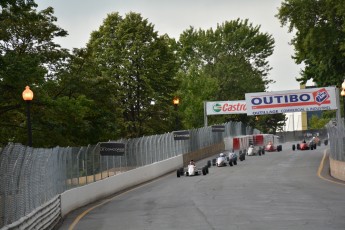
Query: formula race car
[(310, 145), (192, 170), (223, 160), (255, 150), (271, 148)]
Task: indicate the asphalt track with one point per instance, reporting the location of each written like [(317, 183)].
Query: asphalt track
[(279, 190)]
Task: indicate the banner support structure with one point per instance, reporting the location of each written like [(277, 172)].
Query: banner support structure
[(205, 114)]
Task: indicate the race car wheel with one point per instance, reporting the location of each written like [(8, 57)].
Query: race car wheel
[(311, 147), (204, 171), (208, 163), (259, 151), (325, 142), (178, 173), (181, 171), (214, 162), (293, 147), (298, 147), (230, 163), (187, 173), (263, 152)]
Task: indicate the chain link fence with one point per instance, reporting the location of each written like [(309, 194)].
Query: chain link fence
[(336, 132), (30, 177)]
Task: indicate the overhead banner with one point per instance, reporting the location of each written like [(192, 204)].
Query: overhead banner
[(303, 100), (225, 107)]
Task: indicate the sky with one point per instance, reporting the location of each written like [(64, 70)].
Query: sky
[(172, 17)]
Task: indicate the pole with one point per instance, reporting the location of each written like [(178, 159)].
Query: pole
[(344, 107), (338, 115), (29, 123), (176, 119), (205, 114)]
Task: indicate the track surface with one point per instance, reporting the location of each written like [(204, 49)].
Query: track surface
[(279, 190)]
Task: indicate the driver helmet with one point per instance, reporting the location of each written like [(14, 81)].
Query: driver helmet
[(222, 154)]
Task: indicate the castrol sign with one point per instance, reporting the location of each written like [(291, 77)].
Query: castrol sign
[(225, 107), (303, 100)]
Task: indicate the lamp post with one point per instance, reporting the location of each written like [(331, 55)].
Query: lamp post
[(176, 102), (343, 95), (28, 95)]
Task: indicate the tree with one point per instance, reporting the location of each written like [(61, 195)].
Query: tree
[(230, 60), (28, 56), (319, 41), (138, 67), (269, 123)]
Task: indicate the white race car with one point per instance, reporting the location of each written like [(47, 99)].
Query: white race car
[(192, 170), (223, 160), (254, 151)]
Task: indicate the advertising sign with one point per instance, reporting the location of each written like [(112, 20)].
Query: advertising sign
[(111, 148), (303, 100), (225, 107), (181, 135)]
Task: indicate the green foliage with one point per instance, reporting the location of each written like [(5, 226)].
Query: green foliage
[(138, 67), (319, 41), (317, 123), (269, 123), (222, 64), (28, 56)]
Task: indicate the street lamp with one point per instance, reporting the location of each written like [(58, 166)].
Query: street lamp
[(343, 95), (176, 102), (28, 95)]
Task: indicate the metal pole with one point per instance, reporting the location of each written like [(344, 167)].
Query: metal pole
[(176, 118), (338, 115), (344, 108), (29, 123), (205, 114)]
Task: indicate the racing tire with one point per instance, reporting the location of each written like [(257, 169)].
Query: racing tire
[(298, 147), (187, 173), (259, 152), (325, 142), (293, 147), (181, 171), (214, 162), (204, 171), (230, 163), (178, 173), (208, 163), (311, 147), (263, 152)]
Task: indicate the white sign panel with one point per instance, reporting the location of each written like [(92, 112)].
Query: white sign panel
[(303, 100), (225, 107)]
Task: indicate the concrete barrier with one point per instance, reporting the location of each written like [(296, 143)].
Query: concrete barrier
[(337, 169), (81, 196)]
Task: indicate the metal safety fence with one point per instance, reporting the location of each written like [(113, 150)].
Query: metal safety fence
[(336, 132), (30, 177)]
